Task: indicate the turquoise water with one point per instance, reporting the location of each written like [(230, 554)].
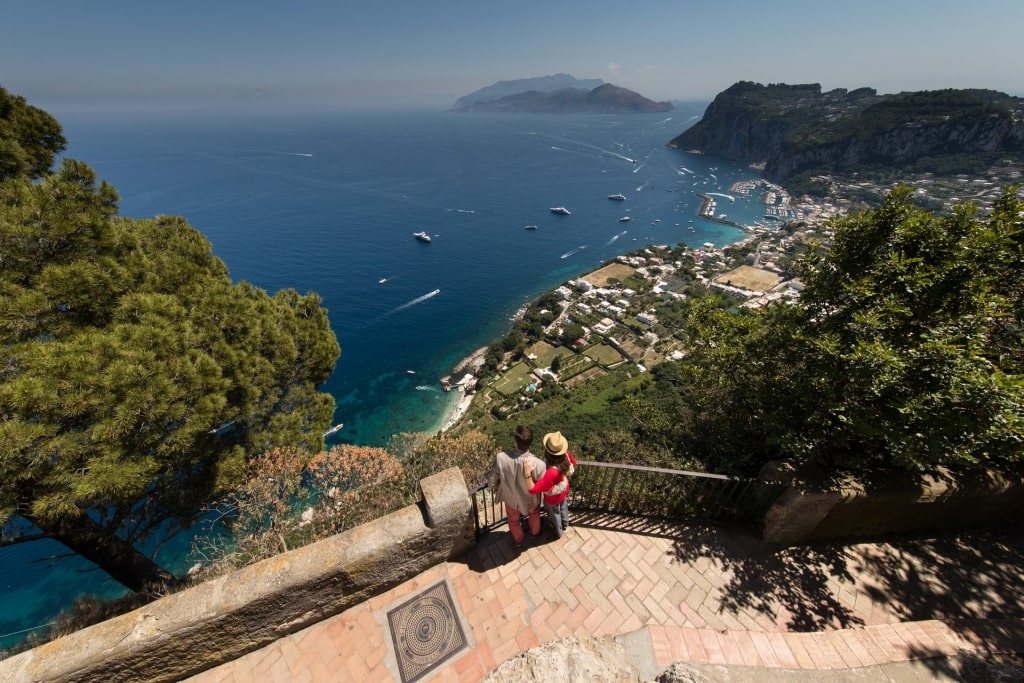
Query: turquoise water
[(330, 203)]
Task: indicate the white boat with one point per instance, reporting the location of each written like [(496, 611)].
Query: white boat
[(625, 219), (411, 372), (382, 280), (531, 227), (617, 197), (333, 429), (560, 210), (421, 236)]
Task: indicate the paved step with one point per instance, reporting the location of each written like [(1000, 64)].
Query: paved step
[(695, 594)]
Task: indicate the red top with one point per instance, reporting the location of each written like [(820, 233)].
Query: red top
[(553, 481)]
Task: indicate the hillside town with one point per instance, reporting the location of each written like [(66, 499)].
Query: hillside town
[(622, 313)]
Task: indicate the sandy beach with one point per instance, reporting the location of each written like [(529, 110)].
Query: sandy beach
[(458, 408), (457, 411)]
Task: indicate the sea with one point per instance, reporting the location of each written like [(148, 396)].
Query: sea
[(329, 202)]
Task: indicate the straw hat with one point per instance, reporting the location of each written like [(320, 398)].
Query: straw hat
[(555, 443)]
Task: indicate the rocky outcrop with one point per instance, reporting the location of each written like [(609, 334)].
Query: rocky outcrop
[(592, 660), (588, 660), (797, 129)]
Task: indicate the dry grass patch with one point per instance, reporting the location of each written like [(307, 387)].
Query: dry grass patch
[(613, 271), (750, 278)]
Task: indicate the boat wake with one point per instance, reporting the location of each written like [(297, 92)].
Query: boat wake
[(424, 387), (574, 251), (615, 238), (599, 151), (408, 304), (719, 194), (417, 300)]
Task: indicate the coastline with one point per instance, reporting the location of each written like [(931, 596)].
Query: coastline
[(776, 199)]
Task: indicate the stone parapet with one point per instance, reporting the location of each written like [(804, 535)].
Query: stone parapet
[(227, 617), (812, 508)]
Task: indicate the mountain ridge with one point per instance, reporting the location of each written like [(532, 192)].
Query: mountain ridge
[(549, 83), (559, 94)]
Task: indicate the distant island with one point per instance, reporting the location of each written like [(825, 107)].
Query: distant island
[(557, 94), (803, 136)]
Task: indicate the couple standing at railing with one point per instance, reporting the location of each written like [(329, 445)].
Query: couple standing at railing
[(522, 480)]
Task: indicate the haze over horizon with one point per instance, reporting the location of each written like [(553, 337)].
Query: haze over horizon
[(115, 55)]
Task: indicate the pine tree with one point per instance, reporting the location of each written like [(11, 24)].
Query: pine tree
[(136, 377)]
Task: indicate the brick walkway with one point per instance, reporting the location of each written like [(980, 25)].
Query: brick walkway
[(691, 594)]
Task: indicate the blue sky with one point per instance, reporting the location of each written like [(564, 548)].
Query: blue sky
[(66, 55)]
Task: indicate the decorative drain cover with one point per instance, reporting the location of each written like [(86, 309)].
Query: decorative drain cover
[(426, 631)]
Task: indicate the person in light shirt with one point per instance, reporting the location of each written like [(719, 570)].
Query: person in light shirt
[(507, 475)]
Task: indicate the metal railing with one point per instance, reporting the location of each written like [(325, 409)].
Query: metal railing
[(649, 492)]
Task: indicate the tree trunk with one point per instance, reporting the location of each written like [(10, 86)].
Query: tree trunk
[(120, 559)]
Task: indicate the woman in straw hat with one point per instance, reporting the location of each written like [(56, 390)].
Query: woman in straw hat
[(555, 482)]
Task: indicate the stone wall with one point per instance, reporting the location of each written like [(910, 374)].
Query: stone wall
[(222, 619), (809, 509)]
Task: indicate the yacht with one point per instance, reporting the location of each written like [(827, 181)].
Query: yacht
[(421, 236), (531, 227), (617, 197), (561, 210), (625, 219), (333, 429)]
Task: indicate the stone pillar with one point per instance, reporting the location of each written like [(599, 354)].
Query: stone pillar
[(798, 510)]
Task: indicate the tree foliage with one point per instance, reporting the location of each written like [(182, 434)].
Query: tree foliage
[(136, 377), (904, 352), (910, 339), (29, 138)]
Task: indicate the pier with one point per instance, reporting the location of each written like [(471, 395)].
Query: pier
[(707, 212)]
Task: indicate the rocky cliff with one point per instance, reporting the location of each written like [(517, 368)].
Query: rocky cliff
[(797, 130)]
